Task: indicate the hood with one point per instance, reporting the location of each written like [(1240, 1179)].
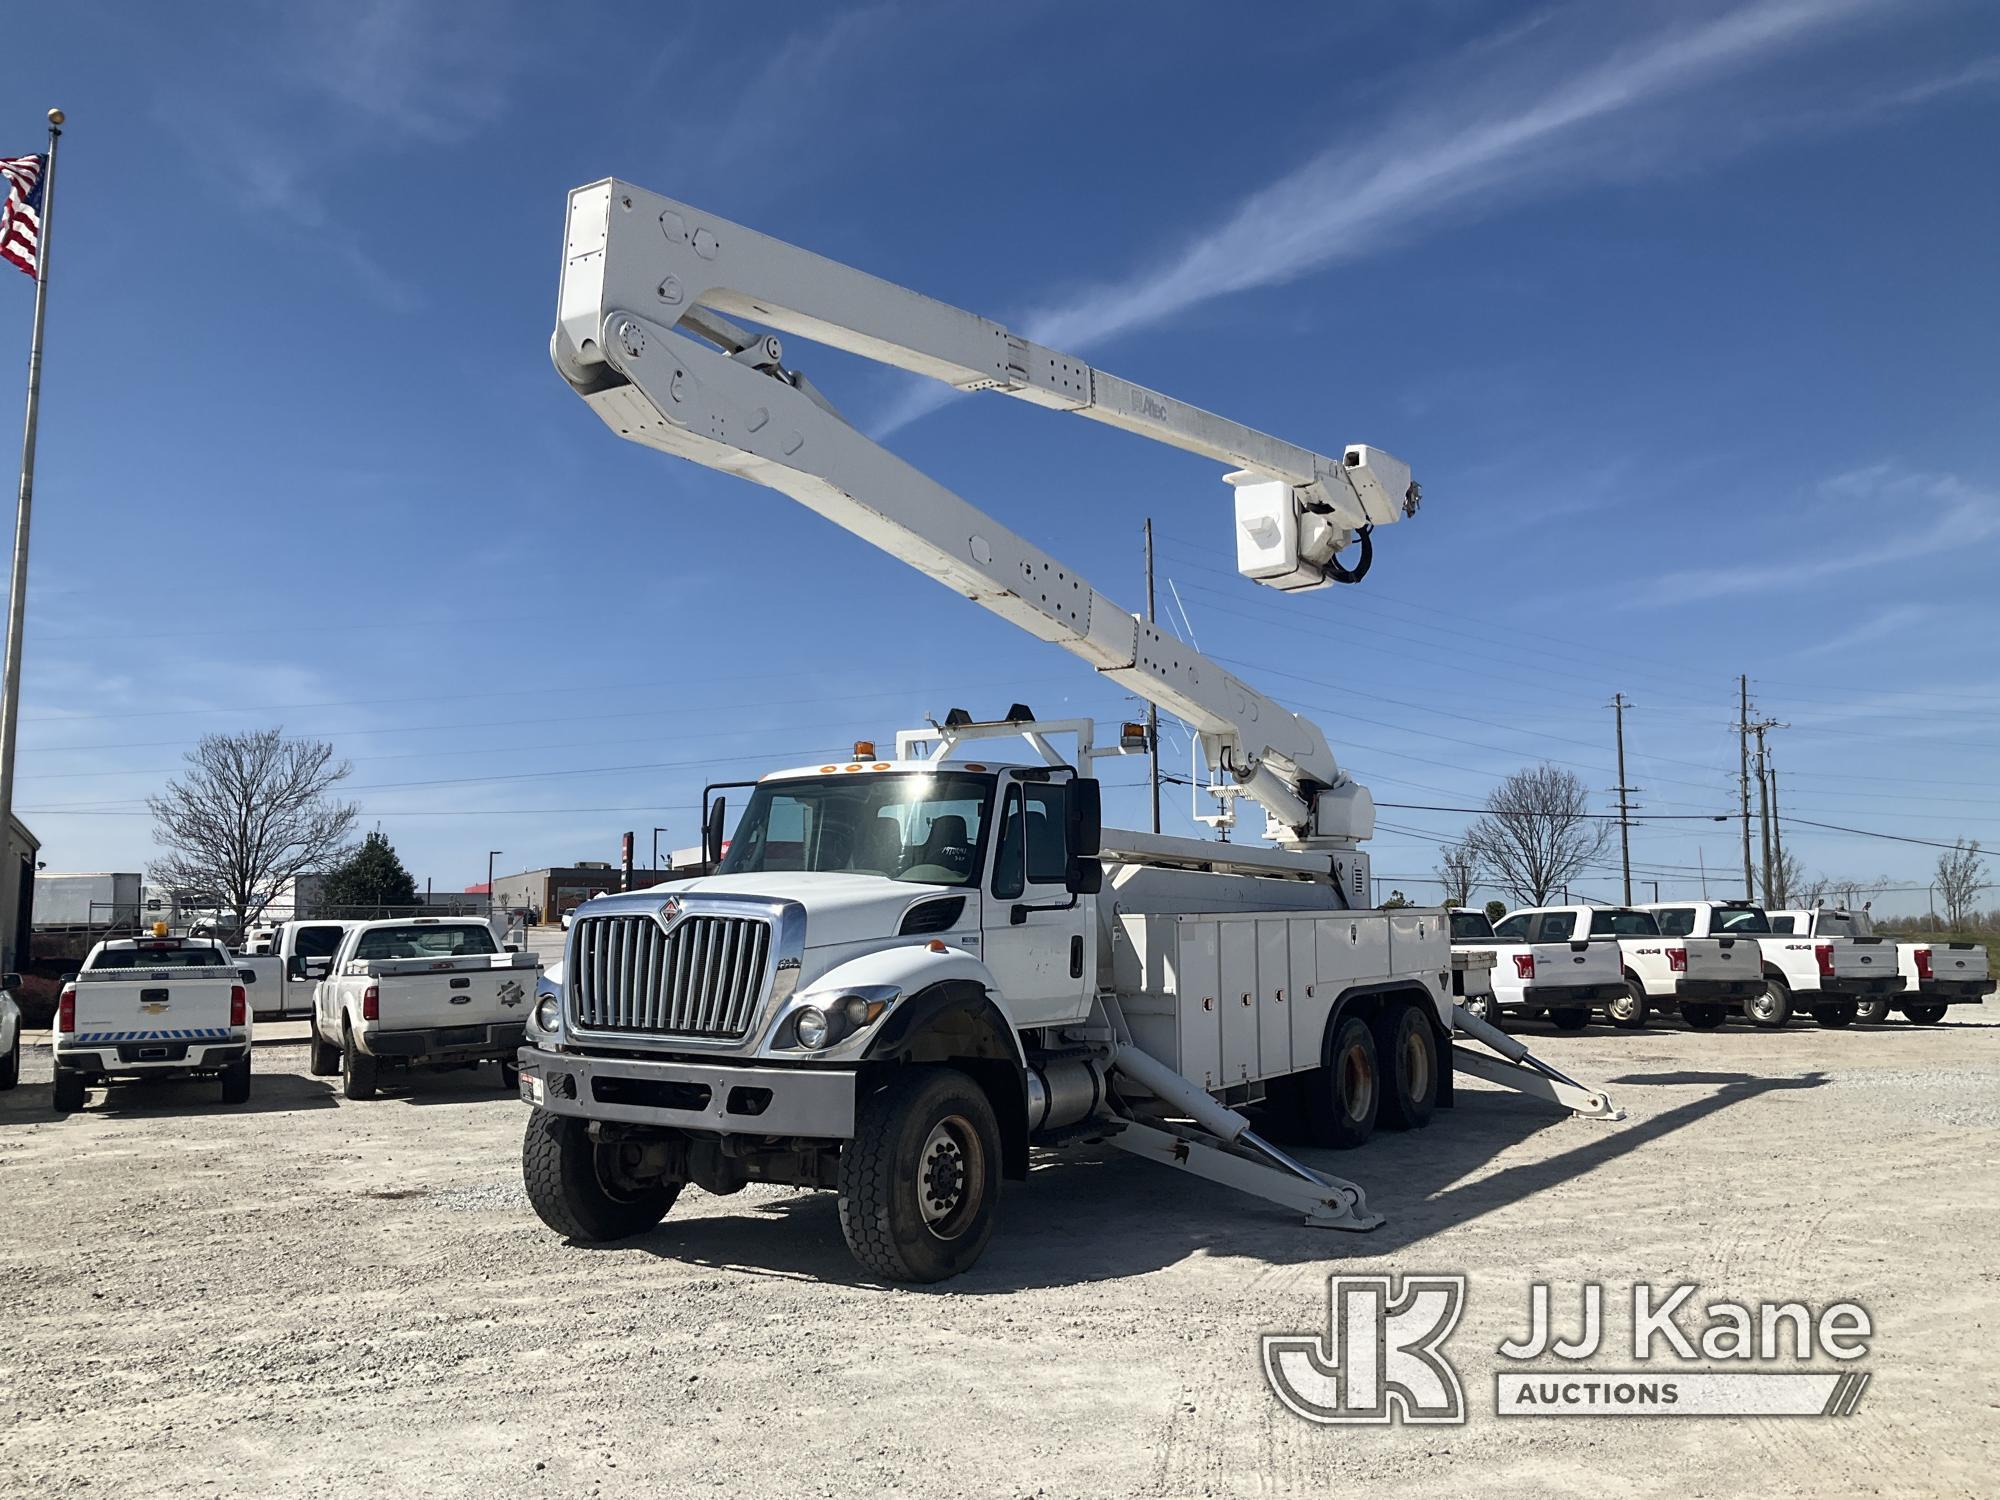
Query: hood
[(839, 908)]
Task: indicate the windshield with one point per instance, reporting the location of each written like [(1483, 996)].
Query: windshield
[(927, 827), (425, 941), (1723, 919), (160, 958), (1623, 924), (1470, 924)]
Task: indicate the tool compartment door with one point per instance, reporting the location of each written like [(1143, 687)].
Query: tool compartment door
[(1198, 981)]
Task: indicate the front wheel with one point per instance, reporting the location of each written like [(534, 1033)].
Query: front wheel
[(1925, 1015), (1702, 1015), (1628, 1011), (920, 1181), (1869, 1012), (1772, 1008), (1836, 1015), (588, 1190), (1408, 1050)]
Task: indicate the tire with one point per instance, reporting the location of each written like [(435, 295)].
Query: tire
[(1407, 1049), (510, 1076), (10, 1065), (1570, 1017), (576, 1188), (69, 1092), (1629, 1012), (1480, 1008), (1702, 1015), (357, 1069), (1925, 1015), (236, 1082), (1870, 1012), (1773, 1008), (325, 1059), (1834, 1016), (920, 1182), (1344, 1094)]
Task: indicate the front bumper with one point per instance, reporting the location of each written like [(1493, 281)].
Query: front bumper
[(729, 1098), (446, 1043)]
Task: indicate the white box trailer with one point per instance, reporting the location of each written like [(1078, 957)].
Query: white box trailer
[(83, 899)]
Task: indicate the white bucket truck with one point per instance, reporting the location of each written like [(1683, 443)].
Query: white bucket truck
[(912, 968)]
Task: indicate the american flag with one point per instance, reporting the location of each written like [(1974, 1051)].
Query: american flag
[(21, 214)]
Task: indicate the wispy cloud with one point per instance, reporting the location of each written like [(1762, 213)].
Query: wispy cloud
[(1926, 514), (1879, 626), (1529, 119)]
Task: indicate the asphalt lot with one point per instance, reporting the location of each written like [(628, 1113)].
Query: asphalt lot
[(304, 1296)]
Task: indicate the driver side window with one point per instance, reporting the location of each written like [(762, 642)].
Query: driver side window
[(1514, 929), (1010, 862)]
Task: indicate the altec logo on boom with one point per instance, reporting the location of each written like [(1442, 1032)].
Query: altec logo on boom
[(1381, 1358)]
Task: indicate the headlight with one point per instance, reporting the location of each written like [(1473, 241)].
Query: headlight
[(548, 1013), (813, 1028)]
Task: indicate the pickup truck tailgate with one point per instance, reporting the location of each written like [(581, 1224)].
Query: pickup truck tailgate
[(128, 1005), (1863, 958), (1577, 962), (1952, 962), (1721, 957), (448, 992)]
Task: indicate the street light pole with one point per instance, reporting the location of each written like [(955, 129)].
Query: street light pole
[(490, 853), (656, 846)]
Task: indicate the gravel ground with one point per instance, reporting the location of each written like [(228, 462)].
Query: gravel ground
[(303, 1296)]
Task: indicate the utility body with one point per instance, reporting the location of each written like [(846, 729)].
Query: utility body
[(1935, 974), (153, 1007), (1828, 976), (912, 967), (419, 992), (1544, 963)]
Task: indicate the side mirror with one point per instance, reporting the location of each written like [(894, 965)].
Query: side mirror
[(295, 967), (513, 947), (711, 836), (1086, 819), (10, 984), (1085, 877), (248, 976)]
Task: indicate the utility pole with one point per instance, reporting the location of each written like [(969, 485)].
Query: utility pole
[(1764, 803), (1743, 777), (1153, 709), (1701, 862), (1619, 705)]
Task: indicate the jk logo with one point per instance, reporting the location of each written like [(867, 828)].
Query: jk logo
[(1379, 1359)]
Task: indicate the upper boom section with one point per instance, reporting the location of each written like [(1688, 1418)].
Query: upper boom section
[(644, 334)]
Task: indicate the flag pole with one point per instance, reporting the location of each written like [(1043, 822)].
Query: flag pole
[(17, 592)]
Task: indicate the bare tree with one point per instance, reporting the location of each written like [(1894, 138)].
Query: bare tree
[(1459, 869), (1801, 891), (1960, 874), (250, 814), (1538, 833)]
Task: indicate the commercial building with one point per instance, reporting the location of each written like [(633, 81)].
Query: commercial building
[(555, 891), (17, 892)]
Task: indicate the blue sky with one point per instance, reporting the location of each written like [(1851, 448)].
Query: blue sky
[(1685, 315)]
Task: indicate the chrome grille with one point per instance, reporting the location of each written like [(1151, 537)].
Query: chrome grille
[(702, 977)]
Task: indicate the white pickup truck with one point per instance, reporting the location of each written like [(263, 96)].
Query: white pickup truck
[(149, 1008), (1829, 974), (1677, 962), (1935, 973), (1545, 962), (296, 956), (433, 992)]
